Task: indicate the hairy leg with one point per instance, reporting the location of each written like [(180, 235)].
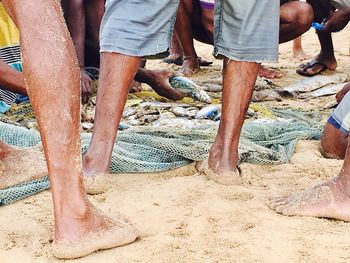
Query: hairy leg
[(238, 86), (53, 82), (117, 72)]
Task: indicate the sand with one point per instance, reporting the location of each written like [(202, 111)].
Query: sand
[(185, 218)]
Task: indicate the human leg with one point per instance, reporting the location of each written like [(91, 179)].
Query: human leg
[(242, 52), (53, 80)]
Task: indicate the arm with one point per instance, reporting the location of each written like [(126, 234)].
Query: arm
[(11, 79), (74, 13)]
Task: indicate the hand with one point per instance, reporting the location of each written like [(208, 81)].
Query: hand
[(86, 86), (337, 21), (340, 95), (159, 81)]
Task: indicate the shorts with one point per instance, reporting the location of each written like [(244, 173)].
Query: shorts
[(244, 30), (340, 118), (207, 4), (138, 27)]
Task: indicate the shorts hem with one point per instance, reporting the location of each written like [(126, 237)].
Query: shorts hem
[(268, 56), (337, 124), (152, 54)]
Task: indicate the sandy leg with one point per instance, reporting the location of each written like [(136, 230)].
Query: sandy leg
[(97, 232), (238, 85), (19, 165), (329, 200)]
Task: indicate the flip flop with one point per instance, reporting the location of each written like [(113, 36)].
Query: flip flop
[(304, 67), (204, 63), (178, 61)]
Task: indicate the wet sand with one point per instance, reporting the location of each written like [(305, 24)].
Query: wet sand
[(185, 218)]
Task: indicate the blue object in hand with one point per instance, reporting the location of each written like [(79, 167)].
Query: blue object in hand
[(317, 26)]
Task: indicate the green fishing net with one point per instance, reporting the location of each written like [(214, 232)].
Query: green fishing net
[(156, 149)]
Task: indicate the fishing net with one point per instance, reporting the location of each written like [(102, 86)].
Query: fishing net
[(156, 149)]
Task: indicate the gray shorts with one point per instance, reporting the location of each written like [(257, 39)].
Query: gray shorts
[(244, 30), (247, 30), (340, 118)]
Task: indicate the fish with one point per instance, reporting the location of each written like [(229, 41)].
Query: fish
[(325, 91), (332, 103), (263, 84), (191, 89), (87, 125), (128, 111), (311, 84), (210, 87), (123, 126), (266, 95), (209, 112), (183, 123), (182, 112), (161, 105)]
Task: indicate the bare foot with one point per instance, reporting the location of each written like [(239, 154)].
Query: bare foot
[(317, 65), (96, 175), (79, 235), (190, 66), (269, 73), (135, 87), (328, 200), (300, 55), (18, 165), (220, 168)]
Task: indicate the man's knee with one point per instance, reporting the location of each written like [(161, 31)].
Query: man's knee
[(333, 142), (300, 15), (305, 16)]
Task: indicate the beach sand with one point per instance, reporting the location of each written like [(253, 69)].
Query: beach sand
[(185, 218)]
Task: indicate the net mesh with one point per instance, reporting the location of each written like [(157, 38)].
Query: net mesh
[(156, 149)]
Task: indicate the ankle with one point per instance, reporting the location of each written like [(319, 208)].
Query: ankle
[(92, 166)]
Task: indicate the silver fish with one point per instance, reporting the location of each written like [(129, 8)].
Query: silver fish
[(182, 112), (312, 83), (210, 87), (128, 112), (182, 123), (191, 89), (209, 112), (332, 103), (326, 91), (263, 84), (161, 105), (266, 95)]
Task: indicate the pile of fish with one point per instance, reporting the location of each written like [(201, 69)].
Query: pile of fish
[(317, 86), (164, 114)]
